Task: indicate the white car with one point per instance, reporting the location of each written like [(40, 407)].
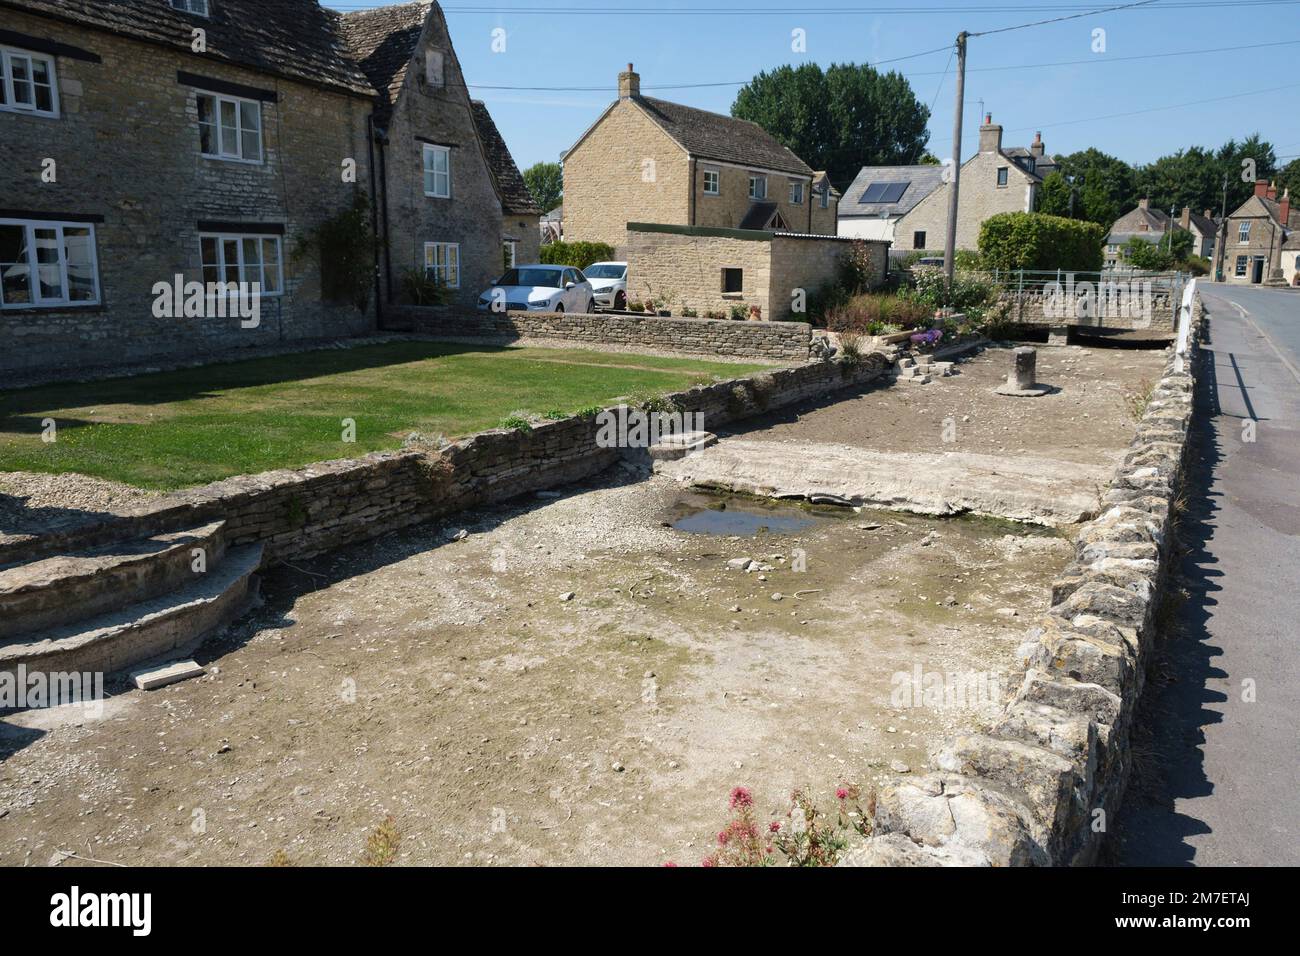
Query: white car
[(609, 282), (539, 289)]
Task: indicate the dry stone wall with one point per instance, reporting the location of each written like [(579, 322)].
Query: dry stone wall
[(1042, 785), (768, 341)]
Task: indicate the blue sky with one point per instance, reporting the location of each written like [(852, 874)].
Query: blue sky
[(581, 43)]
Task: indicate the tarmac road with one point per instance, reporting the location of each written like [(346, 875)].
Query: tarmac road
[(1216, 773)]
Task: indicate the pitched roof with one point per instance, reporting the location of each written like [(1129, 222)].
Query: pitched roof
[(383, 42), (921, 180), (759, 215), (722, 138), (516, 200), (1204, 225), (295, 39), (1130, 224)]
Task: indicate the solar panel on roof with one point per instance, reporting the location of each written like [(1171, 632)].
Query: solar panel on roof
[(895, 191), (874, 192)]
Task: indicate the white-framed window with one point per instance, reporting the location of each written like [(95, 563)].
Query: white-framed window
[(509, 253), (1003, 173), (442, 263), (1243, 233), (245, 259), (197, 7), (826, 196), (230, 128), (796, 192), (45, 264), (437, 171), (712, 182), (1241, 265), (27, 83), (757, 186)]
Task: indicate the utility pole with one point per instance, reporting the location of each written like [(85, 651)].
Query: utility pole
[(950, 241)]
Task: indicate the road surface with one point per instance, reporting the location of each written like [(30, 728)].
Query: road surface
[(1215, 780)]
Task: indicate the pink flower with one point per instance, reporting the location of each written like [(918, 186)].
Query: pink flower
[(842, 793), (709, 861), (774, 826), (723, 837), (740, 797), (670, 865)]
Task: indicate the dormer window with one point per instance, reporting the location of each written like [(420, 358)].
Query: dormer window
[(197, 7)]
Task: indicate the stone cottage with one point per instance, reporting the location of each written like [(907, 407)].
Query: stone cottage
[(451, 202), (1143, 222), (649, 160), (128, 159), (1250, 246), (995, 180)]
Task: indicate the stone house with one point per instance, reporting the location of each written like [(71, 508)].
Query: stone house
[(1143, 222), (1291, 259), (127, 159), (713, 269), (452, 204), (881, 195), (995, 180), (1250, 246), (649, 160), (1204, 229)]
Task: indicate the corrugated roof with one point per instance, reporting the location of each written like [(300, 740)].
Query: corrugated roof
[(296, 39), (922, 180), (723, 138), (516, 200)]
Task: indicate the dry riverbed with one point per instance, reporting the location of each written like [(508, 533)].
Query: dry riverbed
[(577, 681)]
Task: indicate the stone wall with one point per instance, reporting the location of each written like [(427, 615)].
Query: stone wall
[(1044, 783), (626, 168), (1032, 307), (686, 264), (766, 341), (126, 146), (472, 216), (306, 511)]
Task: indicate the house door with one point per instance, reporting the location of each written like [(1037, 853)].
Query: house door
[(1257, 270)]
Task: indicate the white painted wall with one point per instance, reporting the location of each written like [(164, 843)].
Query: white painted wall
[(868, 228)]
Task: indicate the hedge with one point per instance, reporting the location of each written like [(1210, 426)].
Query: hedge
[(576, 254), (1031, 240)]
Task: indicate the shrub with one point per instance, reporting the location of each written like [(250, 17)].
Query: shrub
[(689, 313), (739, 312), (345, 251), (419, 288), (382, 844), (973, 295), (1034, 241), (715, 314), (808, 837), (576, 254), (857, 271)]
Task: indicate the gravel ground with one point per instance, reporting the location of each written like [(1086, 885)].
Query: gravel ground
[(34, 503)]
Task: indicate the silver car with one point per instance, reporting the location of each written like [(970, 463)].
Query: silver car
[(539, 289)]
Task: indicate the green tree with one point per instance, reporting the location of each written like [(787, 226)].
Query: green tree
[(1103, 187), (1195, 176), (546, 182), (1288, 177), (840, 119)]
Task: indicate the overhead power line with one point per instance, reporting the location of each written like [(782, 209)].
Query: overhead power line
[(873, 10), (1062, 19)]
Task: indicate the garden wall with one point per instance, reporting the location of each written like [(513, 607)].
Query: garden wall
[(1029, 307), (1042, 786), (770, 341), (306, 511)]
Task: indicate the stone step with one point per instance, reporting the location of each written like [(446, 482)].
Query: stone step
[(54, 591), (172, 624)]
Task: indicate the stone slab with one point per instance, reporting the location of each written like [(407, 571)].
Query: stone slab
[(151, 678)]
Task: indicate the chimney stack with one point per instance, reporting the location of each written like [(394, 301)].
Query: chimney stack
[(1272, 191), (629, 83), (1284, 211), (990, 135), (1037, 149), (1185, 220), (1261, 188), (1144, 204)]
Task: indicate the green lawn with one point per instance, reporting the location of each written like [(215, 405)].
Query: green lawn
[(176, 429)]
